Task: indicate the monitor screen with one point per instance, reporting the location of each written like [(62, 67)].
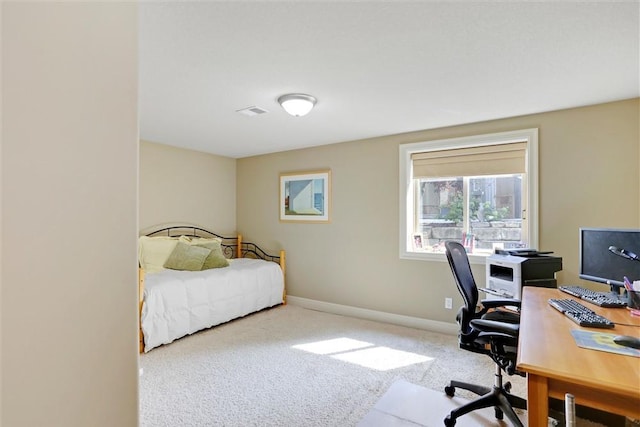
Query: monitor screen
[(599, 264)]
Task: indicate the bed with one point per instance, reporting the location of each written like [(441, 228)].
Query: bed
[(191, 279)]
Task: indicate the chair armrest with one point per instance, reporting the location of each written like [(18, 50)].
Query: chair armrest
[(489, 326), (502, 302)]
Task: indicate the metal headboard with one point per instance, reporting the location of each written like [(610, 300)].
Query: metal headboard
[(229, 244)]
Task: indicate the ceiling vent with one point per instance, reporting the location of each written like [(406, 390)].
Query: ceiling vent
[(252, 111)]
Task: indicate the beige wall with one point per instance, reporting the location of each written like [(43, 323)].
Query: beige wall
[(185, 186), (69, 216), (1, 208), (589, 176)]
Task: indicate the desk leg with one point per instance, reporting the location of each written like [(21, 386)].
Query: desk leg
[(537, 401)]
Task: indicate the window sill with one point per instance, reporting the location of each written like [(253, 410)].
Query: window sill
[(440, 257)]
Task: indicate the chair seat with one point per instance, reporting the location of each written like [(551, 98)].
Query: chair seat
[(502, 316)]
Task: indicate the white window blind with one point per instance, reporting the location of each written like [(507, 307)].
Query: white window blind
[(496, 159)]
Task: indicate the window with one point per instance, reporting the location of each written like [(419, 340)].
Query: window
[(480, 190)]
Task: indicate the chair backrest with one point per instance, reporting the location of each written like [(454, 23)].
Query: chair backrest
[(461, 269)]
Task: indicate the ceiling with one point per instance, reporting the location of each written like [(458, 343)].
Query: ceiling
[(376, 67)]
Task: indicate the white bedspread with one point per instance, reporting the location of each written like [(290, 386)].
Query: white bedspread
[(178, 303)]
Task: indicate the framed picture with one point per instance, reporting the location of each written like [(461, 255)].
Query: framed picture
[(305, 196), (417, 241)]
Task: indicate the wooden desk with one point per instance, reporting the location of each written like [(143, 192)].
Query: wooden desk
[(555, 365)]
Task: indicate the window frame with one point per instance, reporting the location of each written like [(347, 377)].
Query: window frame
[(407, 190)]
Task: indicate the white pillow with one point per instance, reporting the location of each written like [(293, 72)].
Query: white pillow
[(153, 252)]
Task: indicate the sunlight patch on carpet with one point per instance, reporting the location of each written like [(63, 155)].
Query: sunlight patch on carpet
[(382, 358), (336, 345), (363, 353)]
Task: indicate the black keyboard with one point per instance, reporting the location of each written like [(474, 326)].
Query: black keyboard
[(580, 314), (593, 297)]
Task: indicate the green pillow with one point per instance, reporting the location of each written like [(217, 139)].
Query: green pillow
[(215, 259), (187, 257)]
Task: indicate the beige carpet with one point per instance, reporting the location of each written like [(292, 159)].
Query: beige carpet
[(290, 366)]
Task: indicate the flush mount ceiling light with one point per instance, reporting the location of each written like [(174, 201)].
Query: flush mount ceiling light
[(297, 104)]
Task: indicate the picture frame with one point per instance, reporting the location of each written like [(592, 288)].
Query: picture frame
[(305, 196), (417, 242)]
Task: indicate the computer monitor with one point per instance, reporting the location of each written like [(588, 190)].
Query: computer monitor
[(599, 264)]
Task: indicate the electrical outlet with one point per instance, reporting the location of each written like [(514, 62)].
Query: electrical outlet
[(448, 303)]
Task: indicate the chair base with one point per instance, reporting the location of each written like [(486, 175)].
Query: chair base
[(497, 397)]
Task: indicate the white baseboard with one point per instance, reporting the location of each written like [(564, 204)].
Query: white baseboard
[(379, 316)]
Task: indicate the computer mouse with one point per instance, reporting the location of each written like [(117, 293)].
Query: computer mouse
[(627, 341)]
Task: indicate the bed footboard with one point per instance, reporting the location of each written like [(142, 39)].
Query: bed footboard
[(251, 250)]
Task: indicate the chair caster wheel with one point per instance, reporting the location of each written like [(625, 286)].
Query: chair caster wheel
[(507, 387), (499, 414), (450, 391), (448, 422)]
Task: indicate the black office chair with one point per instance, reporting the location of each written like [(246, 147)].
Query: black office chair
[(489, 331)]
